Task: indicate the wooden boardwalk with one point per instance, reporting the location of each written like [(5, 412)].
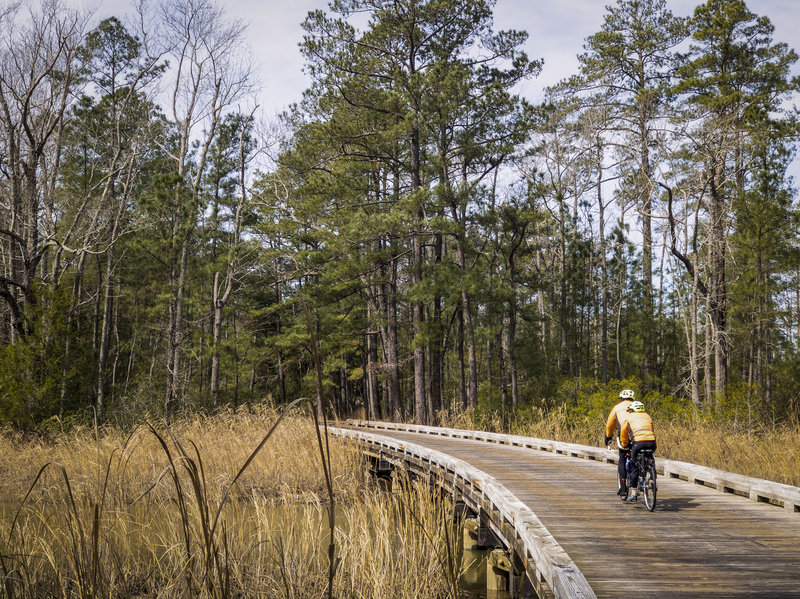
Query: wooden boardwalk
[(698, 542)]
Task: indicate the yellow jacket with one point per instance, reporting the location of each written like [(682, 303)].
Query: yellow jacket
[(616, 416), (636, 426)]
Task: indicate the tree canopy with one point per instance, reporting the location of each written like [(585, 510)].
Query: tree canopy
[(414, 237)]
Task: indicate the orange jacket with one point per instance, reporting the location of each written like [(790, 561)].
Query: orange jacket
[(616, 416), (636, 426)]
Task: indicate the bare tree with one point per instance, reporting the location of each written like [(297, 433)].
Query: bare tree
[(39, 68), (208, 76)]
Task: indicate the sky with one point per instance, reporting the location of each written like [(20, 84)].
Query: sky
[(557, 30)]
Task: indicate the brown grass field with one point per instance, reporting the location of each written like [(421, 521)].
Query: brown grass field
[(161, 513), (103, 514)]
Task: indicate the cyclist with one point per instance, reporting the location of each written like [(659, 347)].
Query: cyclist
[(613, 422), (637, 430)]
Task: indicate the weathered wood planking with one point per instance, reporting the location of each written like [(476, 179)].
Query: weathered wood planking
[(549, 568), (699, 542), (757, 489)]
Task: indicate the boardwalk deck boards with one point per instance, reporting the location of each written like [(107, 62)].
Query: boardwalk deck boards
[(698, 543)]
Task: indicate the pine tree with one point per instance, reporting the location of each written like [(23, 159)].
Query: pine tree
[(628, 66), (732, 72), (410, 87)]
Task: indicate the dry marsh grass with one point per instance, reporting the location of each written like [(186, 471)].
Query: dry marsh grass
[(154, 514), (288, 465), (772, 453)]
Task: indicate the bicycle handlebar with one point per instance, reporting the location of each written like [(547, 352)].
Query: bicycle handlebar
[(620, 445)]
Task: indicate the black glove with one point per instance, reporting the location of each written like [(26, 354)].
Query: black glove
[(607, 440)]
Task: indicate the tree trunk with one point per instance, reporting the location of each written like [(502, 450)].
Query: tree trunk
[(72, 320), (647, 246), (390, 343), (174, 353), (472, 357), (512, 354), (436, 338), (105, 333), (373, 412), (462, 370), (216, 339), (417, 311), (278, 331), (603, 269), (719, 293), (694, 367)]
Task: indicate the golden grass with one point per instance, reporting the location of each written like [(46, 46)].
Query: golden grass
[(287, 466), (111, 515), (773, 453)]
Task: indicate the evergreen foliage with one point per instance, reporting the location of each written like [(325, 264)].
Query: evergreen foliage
[(442, 245)]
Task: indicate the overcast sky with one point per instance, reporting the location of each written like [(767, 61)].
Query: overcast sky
[(557, 31)]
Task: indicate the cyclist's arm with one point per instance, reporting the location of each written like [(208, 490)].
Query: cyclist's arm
[(624, 433), (611, 423)]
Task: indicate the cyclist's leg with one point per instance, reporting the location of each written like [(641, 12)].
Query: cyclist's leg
[(635, 470), (622, 486), (621, 464)]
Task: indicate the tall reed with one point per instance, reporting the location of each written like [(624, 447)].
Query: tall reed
[(155, 514)]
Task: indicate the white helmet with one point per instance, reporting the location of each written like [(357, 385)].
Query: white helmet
[(636, 406), (626, 394)]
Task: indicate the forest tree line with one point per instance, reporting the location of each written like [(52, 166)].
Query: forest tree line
[(414, 234)]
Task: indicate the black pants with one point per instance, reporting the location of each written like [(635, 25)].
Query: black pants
[(636, 447), (621, 464)]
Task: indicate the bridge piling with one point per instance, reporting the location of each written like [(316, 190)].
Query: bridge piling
[(478, 536), (505, 575), (498, 571)]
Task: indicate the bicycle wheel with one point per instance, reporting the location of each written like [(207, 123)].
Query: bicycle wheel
[(649, 485)]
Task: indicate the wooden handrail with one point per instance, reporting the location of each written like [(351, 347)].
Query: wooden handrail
[(550, 562), (756, 489)]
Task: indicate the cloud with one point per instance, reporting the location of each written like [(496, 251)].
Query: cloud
[(274, 32), (557, 31)]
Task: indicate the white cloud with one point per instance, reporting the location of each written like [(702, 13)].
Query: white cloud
[(557, 32)]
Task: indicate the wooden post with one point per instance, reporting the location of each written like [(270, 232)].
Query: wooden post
[(498, 571), (471, 526)]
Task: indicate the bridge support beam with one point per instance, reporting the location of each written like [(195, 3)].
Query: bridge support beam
[(503, 576), (478, 536)]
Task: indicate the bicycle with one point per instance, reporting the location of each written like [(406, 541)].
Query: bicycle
[(646, 485)]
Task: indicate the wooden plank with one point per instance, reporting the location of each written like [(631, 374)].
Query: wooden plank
[(758, 490), (700, 541)]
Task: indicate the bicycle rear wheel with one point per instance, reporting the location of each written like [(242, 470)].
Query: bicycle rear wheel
[(649, 485)]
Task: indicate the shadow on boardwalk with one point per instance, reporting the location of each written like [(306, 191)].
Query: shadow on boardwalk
[(676, 504)]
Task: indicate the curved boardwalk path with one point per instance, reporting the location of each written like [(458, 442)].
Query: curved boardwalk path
[(699, 542)]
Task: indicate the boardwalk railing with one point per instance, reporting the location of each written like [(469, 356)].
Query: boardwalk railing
[(548, 567), (756, 489)]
